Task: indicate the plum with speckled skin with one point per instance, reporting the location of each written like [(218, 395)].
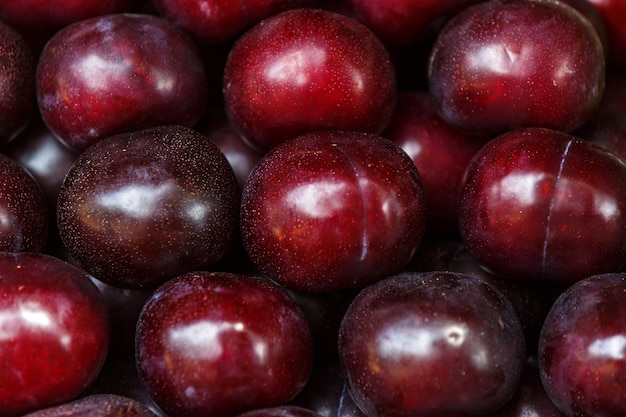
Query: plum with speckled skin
[(221, 344), (17, 84), (23, 209), (581, 360), (55, 332), (542, 204), (118, 73), (96, 405), (304, 70), (139, 208), (333, 211), (502, 64)]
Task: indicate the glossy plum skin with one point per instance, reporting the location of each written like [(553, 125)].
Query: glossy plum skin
[(96, 405), (431, 344), (441, 154), (403, 22), (55, 332), (542, 204), (23, 208), (332, 211), (281, 411), (581, 359), (47, 159), (17, 72), (501, 65), (238, 343), (137, 209), (48, 15), (304, 70), (613, 14), (118, 73), (219, 21)]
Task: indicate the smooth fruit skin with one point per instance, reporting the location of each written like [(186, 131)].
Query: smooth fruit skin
[(220, 21), (54, 332), (49, 15), (304, 70), (405, 22), (542, 204), (220, 344), (17, 73), (137, 209), (96, 405), (118, 73), (613, 14), (23, 209), (440, 152), (332, 211), (581, 350), (502, 64), (431, 344)]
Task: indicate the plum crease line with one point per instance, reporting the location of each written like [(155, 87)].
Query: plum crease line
[(551, 207), (364, 243)]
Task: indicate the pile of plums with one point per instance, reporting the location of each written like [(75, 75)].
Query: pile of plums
[(313, 208)]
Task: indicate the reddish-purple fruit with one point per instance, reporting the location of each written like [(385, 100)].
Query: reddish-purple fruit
[(613, 14), (543, 204), (47, 159), (219, 21), (281, 411), (54, 332), (17, 84), (97, 405), (581, 349), (304, 70), (219, 344), (119, 73), (332, 211), (23, 210), (49, 15), (430, 345), (441, 154), (405, 22), (506, 64), (139, 208)]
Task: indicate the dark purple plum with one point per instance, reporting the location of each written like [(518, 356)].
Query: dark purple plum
[(581, 349), (307, 69), (281, 411), (44, 156), (431, 344), (96, 405), (139, 208), (17, 83), (50, 15), (332, 211), (220, 21), (507, 64), (613, 14), (541, 204), (54, 332), (119, 73), (441, 154), (220, 344), (402, 22), (24, 220)]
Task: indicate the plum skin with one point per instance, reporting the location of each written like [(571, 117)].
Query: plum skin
[(431, 344), (118, 73), (501, 65), (581, 360), (541, 204), (304, 70), (332, 211), (55, 332), (220, 344), (139, 208)]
